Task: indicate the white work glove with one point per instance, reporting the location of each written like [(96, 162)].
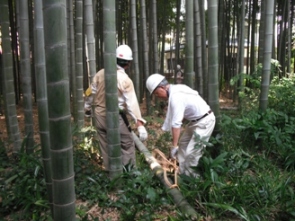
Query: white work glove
[(173, 152), (143, 135)]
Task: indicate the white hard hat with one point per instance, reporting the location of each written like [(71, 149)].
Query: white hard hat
[(124, 52), (153, 82)]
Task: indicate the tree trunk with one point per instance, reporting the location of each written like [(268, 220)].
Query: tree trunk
[(42, 103), (90, 40), (266, 66), (177, 45), (282, 35), (213, 59), (204, 49), (8, 81), (241, 51), (261, 31), (135, 63), (25, 67), (288, 39), (111, 90), (15, 46), (222, 27), (163, 42), (198, 50), (145, 53), (71, 48), (253, 32), (99, 34), (58, 90), (189, 74), (155, 60), (78, 101)]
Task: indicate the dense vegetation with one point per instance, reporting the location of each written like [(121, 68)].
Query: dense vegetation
[(247, 172)]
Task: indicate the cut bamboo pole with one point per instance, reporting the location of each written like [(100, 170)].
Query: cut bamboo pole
[(178, 199)]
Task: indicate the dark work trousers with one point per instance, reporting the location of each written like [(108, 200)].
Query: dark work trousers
[(127, 143)]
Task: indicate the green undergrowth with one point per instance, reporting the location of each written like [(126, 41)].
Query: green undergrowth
[(135, 195), (246, 172), (251, 178)]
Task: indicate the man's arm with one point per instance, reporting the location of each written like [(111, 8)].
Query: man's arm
[(131, 102), (175, 136)]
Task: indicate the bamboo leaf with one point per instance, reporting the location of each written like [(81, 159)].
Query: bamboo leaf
[(91, 179), (42, 203), (11, 179), (151, 194), (231, 209), (36, 170)]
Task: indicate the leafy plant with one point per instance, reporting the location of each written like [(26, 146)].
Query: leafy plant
[(23, 188), (282, 95), (275, 70), (270, 131), (281, 91)]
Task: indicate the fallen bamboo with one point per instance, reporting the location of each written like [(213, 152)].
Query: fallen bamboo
[(178, 199)]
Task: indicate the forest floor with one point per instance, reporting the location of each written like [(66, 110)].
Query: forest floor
[(95, 211)]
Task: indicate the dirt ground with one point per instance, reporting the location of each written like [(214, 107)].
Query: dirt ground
[(95, 211)]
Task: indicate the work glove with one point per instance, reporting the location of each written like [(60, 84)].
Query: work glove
[(143, 135), (173, 152)]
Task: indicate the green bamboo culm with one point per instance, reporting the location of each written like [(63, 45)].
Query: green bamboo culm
[(145, 53), (268, 39), (213, 85), (42, 102), (25, 73), (90, 38), (189, 75), (78, 101), (204, 52), (111, 93), (135, 62), (8, 82), (61, 147), (178, 198)]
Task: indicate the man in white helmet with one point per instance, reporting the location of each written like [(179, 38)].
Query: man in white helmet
[(184, 103), (127, 102)]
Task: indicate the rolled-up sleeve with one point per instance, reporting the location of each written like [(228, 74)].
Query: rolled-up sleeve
[(127, 89)]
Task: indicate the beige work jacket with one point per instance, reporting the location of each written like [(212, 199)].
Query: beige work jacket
[(127, 99)]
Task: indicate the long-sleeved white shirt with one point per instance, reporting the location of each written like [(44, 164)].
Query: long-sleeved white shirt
[(183, 103)]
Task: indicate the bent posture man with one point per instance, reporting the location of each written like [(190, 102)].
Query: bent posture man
[(184, 103)]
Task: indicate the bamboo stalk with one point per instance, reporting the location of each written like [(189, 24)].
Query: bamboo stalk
[(178, 199)]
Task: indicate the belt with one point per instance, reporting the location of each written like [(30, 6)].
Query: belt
[(205, 115)]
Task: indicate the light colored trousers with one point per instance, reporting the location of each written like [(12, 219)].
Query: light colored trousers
[(191, 149), (127, 143)]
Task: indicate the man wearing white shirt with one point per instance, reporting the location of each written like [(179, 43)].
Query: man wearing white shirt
[(184, 103)]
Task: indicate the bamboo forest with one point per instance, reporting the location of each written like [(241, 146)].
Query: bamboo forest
[(88, 87)]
